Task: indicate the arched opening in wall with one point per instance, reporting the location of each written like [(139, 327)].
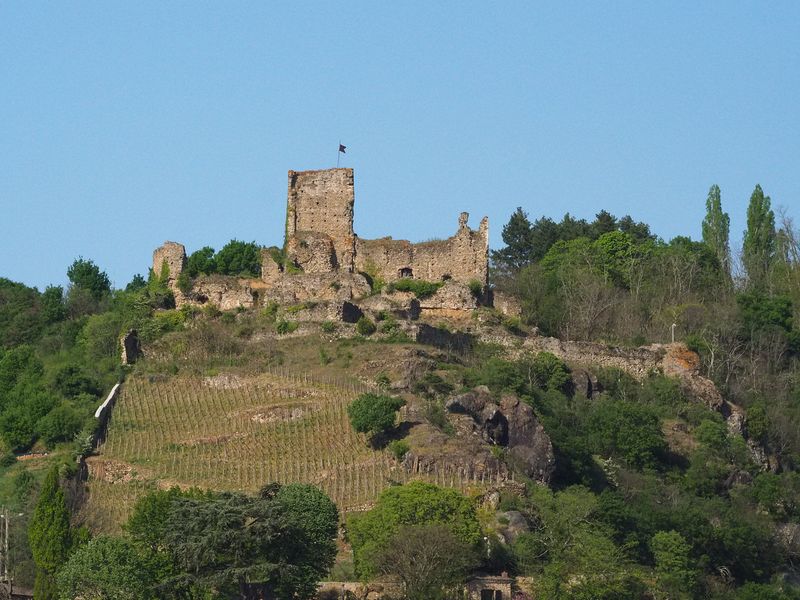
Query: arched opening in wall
[(489, 594), (447, 277), (406, 273), (201, 298)]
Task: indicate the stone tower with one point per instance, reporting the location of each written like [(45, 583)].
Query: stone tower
[(319, 219)]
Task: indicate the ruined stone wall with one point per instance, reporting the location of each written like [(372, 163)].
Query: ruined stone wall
[(321, 202), (462, 258)]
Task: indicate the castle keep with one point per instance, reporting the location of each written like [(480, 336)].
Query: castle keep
[(325, 260)]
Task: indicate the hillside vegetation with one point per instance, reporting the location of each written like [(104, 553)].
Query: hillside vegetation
[(235, 430)]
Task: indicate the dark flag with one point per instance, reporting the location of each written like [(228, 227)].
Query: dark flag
[(342, 148)]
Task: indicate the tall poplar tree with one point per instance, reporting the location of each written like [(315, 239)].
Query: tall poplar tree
[(49, 535), (716, 229), (758, 250)]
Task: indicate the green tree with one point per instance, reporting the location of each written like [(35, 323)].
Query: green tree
[(716, 229), (235, 545), (49, 535), (279, 543), (416, 503), (311, 511), (549, 372), (201, 262), (518, 250), (628, 430), (239, 258), (429, 560), (109, 568), (572, 551), (758, 250), (149, 520), (59, 425), (676, 575), (87, 276), (137, 283), (20, 322), (373, 414), (52, 301)]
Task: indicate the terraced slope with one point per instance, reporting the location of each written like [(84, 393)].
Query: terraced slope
[(231, 433)]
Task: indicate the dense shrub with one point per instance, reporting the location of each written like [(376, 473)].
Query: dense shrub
[(283, 327), (627, 430), (373, 414), (60, 424), (421, 289), (399, 448), (549, 372), (365, 326)]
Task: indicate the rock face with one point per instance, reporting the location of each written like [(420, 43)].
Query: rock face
[(512, 425), (510, 525), (684, 364), (585, 384)]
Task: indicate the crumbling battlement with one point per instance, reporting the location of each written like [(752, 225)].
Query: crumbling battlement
[(462, 258)]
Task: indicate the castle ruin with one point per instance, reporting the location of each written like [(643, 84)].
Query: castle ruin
[(324, 259)]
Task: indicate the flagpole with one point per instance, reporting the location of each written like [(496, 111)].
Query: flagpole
[(338, 153)]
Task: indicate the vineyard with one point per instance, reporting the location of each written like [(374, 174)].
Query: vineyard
[(230, 433)]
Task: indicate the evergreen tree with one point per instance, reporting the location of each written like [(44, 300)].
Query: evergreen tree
[(716, 229), (49, 536), (517, 237), (758, 249)]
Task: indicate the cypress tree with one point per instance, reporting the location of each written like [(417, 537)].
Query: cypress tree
[(49, 536), (716, 229), (758, 250)]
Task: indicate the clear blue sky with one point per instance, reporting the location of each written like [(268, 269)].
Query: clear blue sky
[(126, 124)]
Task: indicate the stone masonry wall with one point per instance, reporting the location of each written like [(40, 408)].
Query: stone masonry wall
[(175, 256), (321, 202), (462, 258)]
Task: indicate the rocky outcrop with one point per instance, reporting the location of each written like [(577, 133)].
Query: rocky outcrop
[(684, 364), (398, 305), (510, 424), (509, 525), (585, 384)]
